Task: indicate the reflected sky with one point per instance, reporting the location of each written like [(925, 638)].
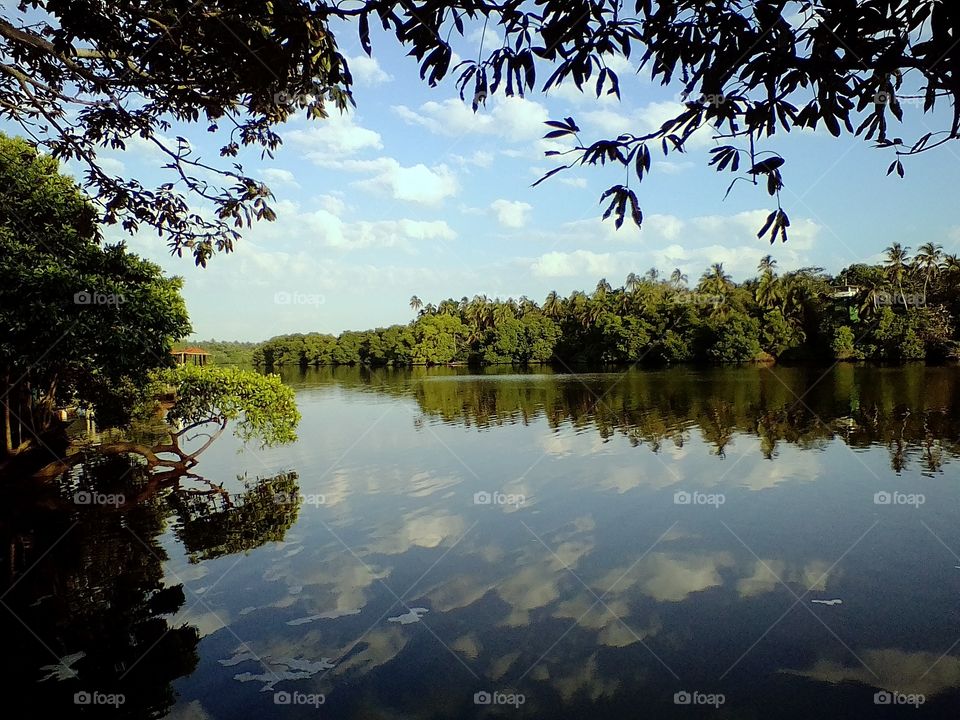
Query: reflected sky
[(596, 543)]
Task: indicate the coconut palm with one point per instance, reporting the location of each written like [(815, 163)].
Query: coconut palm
[(715, 280), (502, 312), (577, 307), (872, 291), (769, 289), (897, 265), (553, 305), (415, 303), (928, 263), (527, 305), (448, 307), (652, 275), (767, 265), (603, 288), (677, 278), (633, 282)]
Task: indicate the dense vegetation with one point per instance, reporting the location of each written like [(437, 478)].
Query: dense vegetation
[(84, 322), (903, 309), (90, 325), (224, 352)]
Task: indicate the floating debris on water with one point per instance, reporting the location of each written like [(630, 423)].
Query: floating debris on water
[(285, 669), (828, 602), (412, 616), (64, 670), (238, 657)]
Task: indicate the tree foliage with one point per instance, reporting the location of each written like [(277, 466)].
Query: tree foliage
[(885, 314), (260, 406), (83, 76), (83, 322)]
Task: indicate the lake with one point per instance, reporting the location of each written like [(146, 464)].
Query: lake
[(729, 542)]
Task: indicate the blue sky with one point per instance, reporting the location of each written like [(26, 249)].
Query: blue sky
[(413, 193)]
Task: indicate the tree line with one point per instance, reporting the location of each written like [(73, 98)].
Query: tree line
[(900, 309)]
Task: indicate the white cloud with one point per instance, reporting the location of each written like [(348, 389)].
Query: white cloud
[(336, 135), (418, 184), (331, 231), (514, 119), (480, 158), (667, 241), (643, 120), (279, 176), (511, 213), (367, 71), (578, 262)]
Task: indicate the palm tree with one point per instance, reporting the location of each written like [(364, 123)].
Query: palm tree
[(415, 303), (897, 265), (951, 263), (448, 307), (553, 305), (503, 312), (577, 307), (633, 282), (873, 291), (715, 280), (603, 287), (768, 291), (677, 278), (527, 305), (928, 262), (652, 275)]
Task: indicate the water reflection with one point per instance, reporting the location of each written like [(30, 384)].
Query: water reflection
[(914, 411), (604, 588), (90, 617)]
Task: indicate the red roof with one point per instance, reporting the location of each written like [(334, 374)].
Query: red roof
[(190, 351)]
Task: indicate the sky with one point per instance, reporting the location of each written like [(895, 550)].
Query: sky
[(412, 193)]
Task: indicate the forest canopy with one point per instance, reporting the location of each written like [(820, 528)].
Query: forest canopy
[(82, 76), (902, 309)]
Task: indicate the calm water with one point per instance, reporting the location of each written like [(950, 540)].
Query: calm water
[(575, 546)]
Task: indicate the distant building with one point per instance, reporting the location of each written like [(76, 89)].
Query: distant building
[(847, 291), (191, 356)]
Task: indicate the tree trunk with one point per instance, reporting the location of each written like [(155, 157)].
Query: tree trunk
[(7, 429)]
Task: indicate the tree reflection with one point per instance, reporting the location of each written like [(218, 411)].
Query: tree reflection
[(86, 601), (914, 411)]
